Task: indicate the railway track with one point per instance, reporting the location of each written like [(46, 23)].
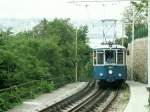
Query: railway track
[(59, 106), (90, 99)]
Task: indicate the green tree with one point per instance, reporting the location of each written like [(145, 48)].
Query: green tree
[(47, 51), (120, 40), (141, 25)]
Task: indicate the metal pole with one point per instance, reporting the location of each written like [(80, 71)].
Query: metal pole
[(132, 56), (104, 41), (123, 35), (148, 42), (76, 64), (115, 34)]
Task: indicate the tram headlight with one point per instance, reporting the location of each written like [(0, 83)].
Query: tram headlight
[(110, 71), (101, 74), (119, 74)]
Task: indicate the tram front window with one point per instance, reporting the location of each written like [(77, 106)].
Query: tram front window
[(110, 56)]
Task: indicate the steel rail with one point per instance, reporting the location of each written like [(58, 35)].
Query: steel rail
[(111, 102), (84, 103), (101, 98), (69, 100), (107, 106), (92, 101)]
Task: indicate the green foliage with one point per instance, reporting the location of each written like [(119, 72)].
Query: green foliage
[(124, 40), (141, 7), (141, 24), (3, 105), (15, 96), (141, 30), (48, 53), (45, 52), (46, 87), (22, 60)]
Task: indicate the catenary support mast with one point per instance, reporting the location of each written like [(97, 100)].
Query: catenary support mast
[(148, 42), (132, 55)]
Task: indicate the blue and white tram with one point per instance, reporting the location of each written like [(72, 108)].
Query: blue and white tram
[(109, 63)]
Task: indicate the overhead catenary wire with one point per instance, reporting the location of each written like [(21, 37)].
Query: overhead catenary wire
[(133, 26), (98, 1), (89, 16)]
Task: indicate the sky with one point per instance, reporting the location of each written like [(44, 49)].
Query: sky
[(81, 13), (22, 9)]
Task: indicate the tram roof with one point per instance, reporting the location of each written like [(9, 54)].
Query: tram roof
[(108, 47)]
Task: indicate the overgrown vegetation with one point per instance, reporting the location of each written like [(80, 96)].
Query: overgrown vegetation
[(141, 23), (122, 41), (45, 52), (16, 95)]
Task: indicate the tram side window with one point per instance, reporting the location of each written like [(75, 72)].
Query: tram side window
[(100, 58), (94, 57), (120, 57)]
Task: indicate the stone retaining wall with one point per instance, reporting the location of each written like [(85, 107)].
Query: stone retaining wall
[(140, 63)]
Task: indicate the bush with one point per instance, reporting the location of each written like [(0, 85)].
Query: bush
[(46, 87), (15, 96), (45, 52), (3, 105)]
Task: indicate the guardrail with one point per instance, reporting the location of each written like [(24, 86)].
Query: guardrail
[(15, 94), (34, 82)]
